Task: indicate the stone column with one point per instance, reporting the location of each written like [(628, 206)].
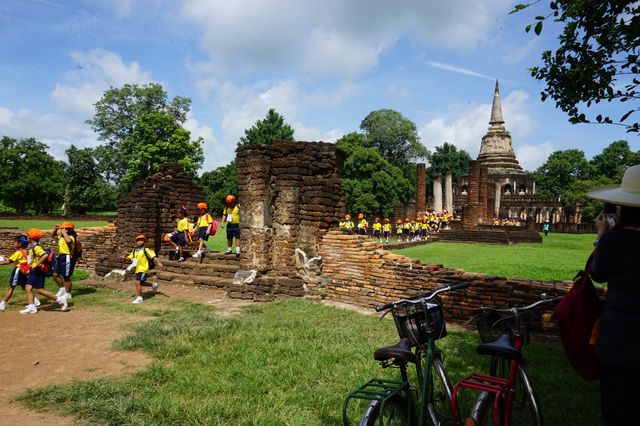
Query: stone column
[(437, 193), (448, 192), (496, 205), (421, 187)]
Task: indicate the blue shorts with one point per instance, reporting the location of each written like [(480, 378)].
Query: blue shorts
[(202, 233), (65, 265), (179, 239), (233, 231), (376, 233), (36, 278), (17, 278), (386, 233), (362, 231), (141, 276)]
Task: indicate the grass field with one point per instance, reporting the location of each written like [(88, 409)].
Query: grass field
[(281, 363), (558, 257), (26, 224)]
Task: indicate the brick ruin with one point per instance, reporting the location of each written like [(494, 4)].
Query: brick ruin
[(150, 209)]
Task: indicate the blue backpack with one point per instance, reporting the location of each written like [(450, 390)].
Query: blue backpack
[(49, 265)]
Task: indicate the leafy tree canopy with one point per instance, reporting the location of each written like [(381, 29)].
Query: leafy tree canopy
[(85, 188), (217, 184), (614, 160), (597, 59), (32, 178), (560, 171), (447, 158), (265, 131), (395, 136)]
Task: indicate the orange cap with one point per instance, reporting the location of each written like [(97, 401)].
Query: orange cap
[(230, 199), (34, 233), (203, 206), (360, 215), (140, 237), (386, 219), (399, 221), (347, 217), (67, 225)]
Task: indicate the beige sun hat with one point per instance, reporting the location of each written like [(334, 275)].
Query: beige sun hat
[(625, 194)]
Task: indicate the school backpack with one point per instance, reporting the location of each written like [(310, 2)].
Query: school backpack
[(77, 249), (150, 260), (49, 265), (214, 225)]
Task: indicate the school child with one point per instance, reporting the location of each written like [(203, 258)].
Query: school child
[(203, 228), (36, 256), (348, 224), (408, 230), (399, 230), (66, 263), (377, 229), (425, 228), (140, 258), (386, 229), (362, 224), (181, 235), (231, 216), (19, 274)]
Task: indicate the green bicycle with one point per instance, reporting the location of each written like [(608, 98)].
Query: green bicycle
[(420, 322)]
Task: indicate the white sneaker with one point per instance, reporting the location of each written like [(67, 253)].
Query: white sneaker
[(181, 259), (68, 296), (36, 302), (60, 292), (138, 300), (3, 305), (196, 254), (154, 286), (62, 301), (30, 309)]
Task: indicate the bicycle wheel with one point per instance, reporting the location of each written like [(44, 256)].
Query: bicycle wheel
[(394, 413), (439, 406), (525, 409)]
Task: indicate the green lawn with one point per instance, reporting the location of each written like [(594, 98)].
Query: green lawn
[(281, 363), (558, 257), (26, 224)]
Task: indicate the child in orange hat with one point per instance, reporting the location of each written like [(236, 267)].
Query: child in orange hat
[(141, 257), (66, 262), (231, 216), (19, 274), (386, 229), (203, 228)]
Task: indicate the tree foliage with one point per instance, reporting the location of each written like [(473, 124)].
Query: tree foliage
[(142, 129), (265, 131), (217, 184), (394, 136), (447, 158), (85, 188), (32, 180), (597, 59), (561, 170)]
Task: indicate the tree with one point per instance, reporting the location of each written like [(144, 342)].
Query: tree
[(394, 136), (614, 160), (266, 131), (561, 170), (447, 158), (352, 141), (371, 184), (32, 178), (136, 122), (597, 59), (217, 184), (86, 190)]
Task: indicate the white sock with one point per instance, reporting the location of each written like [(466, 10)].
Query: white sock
[(237, 249), (228, 250)]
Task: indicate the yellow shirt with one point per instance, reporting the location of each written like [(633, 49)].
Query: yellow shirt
[(63, 247), (183, 224), (348, 224), (205, 220), (19, 257), (377, 226), (35, 254), (386, 227), (363, 224), (143, 264), (234, 213)]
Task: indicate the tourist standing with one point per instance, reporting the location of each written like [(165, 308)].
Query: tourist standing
[(545, 228), (231, 216)]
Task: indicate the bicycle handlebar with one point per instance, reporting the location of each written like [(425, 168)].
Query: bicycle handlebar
[(516, 310), (422, 297)]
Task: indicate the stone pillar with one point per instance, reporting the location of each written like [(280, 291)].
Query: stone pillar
[(496, 205), (421, 187), (470, 212), (448, 192), (437, 193)]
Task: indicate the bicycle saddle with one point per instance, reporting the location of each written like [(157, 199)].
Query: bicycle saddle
[(501, 347), (401, 350)]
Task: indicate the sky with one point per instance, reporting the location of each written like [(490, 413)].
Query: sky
[(323, 65)]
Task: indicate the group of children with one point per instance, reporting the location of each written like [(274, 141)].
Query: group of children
[(32, 265), (32, 262), (409, 229)]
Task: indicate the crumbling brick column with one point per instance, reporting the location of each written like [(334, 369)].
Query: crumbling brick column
[(421, 187)]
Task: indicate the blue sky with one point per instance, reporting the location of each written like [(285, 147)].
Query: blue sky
[(324, 65)]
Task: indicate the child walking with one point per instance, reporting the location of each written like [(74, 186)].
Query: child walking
[(203, 226), (231, 216), (19, 274), (140, 258), (179, 238), (66, 262), (35, 281)]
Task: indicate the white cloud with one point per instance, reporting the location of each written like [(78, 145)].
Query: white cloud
[(531, 157)]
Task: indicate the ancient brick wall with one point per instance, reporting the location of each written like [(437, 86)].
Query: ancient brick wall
[(289, 195), (150, 209), (358, 271)]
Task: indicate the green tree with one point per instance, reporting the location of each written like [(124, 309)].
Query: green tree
[(86, 189), (394, 136), (352, 141), (266, 131), (561, 170), (32, 178), (217, 184), (131, 120), (371, 184), (597, 58), (447, 158), (614, 160)]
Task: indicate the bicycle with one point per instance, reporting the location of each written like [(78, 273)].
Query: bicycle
[(507, 391), (420, 322)]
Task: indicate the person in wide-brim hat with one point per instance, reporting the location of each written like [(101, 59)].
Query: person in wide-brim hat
[(625, 194)]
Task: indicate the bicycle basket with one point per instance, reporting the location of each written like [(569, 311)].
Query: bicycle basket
[(492, 325), (420, 322)]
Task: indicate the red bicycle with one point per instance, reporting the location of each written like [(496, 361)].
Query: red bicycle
[(507, 392)]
